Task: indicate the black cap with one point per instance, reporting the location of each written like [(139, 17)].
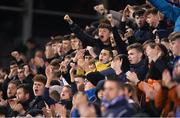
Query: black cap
[(95, 77)]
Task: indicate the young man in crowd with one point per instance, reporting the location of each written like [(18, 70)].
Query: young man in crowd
[(115, 102), (142, 31), (104, 35), (138, 65), (105, 59), (38, 89)]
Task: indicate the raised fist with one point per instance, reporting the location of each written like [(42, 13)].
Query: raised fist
[(68, 19), (100, 9)]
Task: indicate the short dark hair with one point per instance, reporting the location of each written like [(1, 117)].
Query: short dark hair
[(13, 62), (15, 82), (66, 37), (57, 39), (151, 11), (110, 51), (40, 78), (73, 36), (174, 36), (49, 43), (26, 88), (104, 25), (165, 40), (55, 62), (139, 12), (136, 46)]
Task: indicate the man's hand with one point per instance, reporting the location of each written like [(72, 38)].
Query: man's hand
[(132, 76), (79, 55), (100, 9), (68, 19), (19, 108), (49, 75), (72, 70), (129, 33), (60, 109), (13, 73), (91, 51), (148, 90), (3, 102), (116, 65), (111, 20), (38, 62), (127, 12), (26, 70)]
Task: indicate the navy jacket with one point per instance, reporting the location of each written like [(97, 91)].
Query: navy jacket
[(140, 69), (119, 107)]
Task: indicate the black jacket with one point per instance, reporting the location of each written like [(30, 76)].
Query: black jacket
[(97, 43)]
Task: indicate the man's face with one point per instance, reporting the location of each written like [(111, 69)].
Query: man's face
[(21, 96), (54, 46), (11, 90), (175, 47), (100, 94), (111, 90), (140, 20), (65, 94), (105, 56), (49, 52), (66, 45), (176, 70), (59, 48), (14, 68), (38, 88), (39, 54), (151, 53), (75, 43), (21, 75), (152, 20), (134, 56), (104, 34)]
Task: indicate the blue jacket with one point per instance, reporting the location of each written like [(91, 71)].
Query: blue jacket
[(171, 12), (91, 95)]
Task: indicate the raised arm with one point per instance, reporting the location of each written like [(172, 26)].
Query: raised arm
[(172, 12), (84, 37)]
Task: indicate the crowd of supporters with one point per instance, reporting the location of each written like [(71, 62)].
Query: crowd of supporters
[(126, 64)]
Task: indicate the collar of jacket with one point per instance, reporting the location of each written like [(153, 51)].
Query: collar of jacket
[(142, 62), (116, 101), (145, 27)]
